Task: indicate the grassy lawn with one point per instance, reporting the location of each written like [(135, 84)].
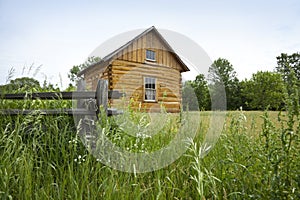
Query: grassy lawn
[(255, 157)]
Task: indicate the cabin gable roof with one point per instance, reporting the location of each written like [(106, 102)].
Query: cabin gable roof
[(106, 60)]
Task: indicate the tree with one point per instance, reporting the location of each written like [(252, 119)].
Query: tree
[(264, 90), (189, 99), (24, 84), (202, 92), (195, 94), (245, 98), (286, 63), (77, 68), (222, 76)]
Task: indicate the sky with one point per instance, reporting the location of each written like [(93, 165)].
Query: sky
[(44, 39)]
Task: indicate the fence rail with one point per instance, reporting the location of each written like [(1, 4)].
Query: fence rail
[(89, 102), (77, 111), (60, 95)]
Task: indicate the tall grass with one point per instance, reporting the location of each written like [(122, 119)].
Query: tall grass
[(256, 157)]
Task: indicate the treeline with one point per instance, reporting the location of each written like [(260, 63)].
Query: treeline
[(27, 84), (264, 90)]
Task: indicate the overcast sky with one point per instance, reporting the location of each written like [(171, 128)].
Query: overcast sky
[(60, 34)]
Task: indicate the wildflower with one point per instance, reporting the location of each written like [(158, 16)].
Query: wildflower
[(80, 159)]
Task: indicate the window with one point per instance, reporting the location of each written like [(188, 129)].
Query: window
[(150, 89), (150, 55)]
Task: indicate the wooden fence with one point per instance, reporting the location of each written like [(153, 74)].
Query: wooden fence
[(89, 102)]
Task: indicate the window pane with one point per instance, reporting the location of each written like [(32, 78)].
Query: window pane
[(150, 95), (153, 95), (150, 88), (150, 54), (153, 55)]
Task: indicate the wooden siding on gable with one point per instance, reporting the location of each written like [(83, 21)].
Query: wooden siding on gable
[(136, 51)]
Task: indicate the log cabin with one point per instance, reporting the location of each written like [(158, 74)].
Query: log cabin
[(146, 69)]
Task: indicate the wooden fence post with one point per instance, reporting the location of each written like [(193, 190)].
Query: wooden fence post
[(102, 95)]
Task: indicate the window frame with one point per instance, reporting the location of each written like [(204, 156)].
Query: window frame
[(151, 89), (154, 55)]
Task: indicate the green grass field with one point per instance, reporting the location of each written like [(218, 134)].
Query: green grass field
[(257, 156)]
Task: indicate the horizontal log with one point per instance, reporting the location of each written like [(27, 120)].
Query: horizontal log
[(156, 106), (168, 99), (145, 69), (166, 64), (133, 89), (129, 64), (162, 77), (138, 79)]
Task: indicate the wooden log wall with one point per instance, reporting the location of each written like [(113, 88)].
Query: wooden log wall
[(127, 69), (129, 78)]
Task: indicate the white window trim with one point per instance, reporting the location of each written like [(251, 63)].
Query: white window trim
[(150, 100), (149, 59)]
